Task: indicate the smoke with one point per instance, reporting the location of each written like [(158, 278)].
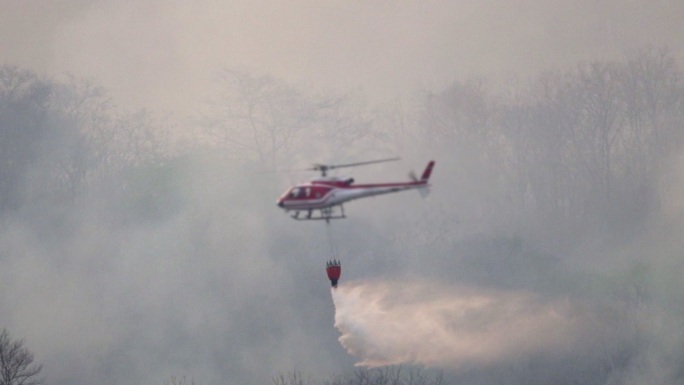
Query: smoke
[(188, 268), (452, 327)]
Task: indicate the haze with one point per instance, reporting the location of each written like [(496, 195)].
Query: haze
[(143, 146), (162, 54)]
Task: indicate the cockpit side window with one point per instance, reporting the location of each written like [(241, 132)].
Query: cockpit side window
[(294, 193)]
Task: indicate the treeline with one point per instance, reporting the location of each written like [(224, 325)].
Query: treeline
[(579, 148), (392, 375), (59, 136), (567, 153), (576, 146)]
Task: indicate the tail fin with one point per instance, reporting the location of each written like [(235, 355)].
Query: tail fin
[(427, 172)]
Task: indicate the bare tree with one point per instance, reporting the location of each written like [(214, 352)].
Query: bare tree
[(24, 99), (294, 378), (269, 121), (653, 92), (390, 375), (16, 363), (175, 380), (79, 124), (259, 116)]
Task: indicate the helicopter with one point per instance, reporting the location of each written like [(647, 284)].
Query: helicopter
[(323, 198)]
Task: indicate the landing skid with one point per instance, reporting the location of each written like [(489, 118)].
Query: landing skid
[(322, 214)]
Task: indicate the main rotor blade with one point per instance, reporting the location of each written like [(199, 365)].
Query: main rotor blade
[(361, 163), (281, 170)]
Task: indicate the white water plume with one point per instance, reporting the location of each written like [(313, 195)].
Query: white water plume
[(396, 322)]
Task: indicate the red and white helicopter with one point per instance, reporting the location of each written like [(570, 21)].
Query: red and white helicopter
[(324, 194)]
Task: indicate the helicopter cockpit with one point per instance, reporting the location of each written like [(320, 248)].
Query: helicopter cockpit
[(298, 192)]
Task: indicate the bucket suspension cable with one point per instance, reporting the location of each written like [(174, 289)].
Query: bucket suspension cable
[(331, 243)]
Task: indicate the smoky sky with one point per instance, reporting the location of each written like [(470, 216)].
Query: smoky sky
[(161, 54)]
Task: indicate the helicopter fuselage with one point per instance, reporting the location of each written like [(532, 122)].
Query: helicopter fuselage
[(327, 192), (320, 194)]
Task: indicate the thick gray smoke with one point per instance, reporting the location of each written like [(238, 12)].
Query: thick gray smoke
[(139, 236)]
